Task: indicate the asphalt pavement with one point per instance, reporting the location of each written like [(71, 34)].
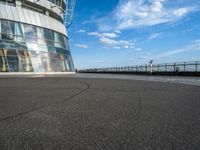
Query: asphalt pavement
[(83, 113)]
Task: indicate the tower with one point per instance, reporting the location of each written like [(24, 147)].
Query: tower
[(33, 36)]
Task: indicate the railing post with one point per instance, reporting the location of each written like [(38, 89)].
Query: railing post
[(196, 66), (146, 68), (174, 67), (151, 71), (184, 66)]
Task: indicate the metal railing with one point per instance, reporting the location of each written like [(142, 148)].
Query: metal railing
[(193, 66)]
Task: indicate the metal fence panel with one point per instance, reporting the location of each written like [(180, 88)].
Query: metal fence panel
[(193, 66)]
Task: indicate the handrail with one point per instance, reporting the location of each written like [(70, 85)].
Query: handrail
[(192, 66)]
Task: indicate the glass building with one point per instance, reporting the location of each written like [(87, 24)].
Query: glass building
[(33, 36)]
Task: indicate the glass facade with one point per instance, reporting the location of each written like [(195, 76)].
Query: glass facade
[(28, 48), (7, 2)]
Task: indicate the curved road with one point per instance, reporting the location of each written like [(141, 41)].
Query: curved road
[(81, 112)]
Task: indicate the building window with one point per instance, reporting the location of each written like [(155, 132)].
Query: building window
[(6, 32), (7, 2)]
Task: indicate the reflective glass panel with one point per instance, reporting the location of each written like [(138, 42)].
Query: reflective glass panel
[(46, 62), (6, 32), (56, 64), (36, 61), (18, 33), (12, 59), (25, 64), (27, 48), (3, 61), (48, 34)]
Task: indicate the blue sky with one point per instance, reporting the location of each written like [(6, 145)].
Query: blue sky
[(107, 33)]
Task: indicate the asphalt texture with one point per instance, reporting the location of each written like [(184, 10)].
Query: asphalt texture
[(74, 113)]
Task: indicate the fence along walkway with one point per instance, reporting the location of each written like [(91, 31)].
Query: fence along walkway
[(193, 66)]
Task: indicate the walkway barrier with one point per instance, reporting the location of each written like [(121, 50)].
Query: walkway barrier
[(180, 68)]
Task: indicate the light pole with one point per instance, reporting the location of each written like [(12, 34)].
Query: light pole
[(151, 65)]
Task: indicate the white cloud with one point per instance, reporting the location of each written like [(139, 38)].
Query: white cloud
[(117, 31), (181, 11), (157, 5), (193, 46), (97, 34), (107, 34), (123, 43), (154, 36), (130, 47), (127, 43), (81, 31), (110, 35), (81, 45), (105, 40), (138, 49), (117, 44), (109, 39), (142, 13), (126, 46), (116, 47)]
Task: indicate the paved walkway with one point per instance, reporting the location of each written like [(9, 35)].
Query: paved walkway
[(85, 112)]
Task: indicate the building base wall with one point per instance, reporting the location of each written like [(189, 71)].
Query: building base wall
[(35, 74)]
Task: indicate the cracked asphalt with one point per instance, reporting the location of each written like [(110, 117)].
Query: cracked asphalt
[(74, 113)]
